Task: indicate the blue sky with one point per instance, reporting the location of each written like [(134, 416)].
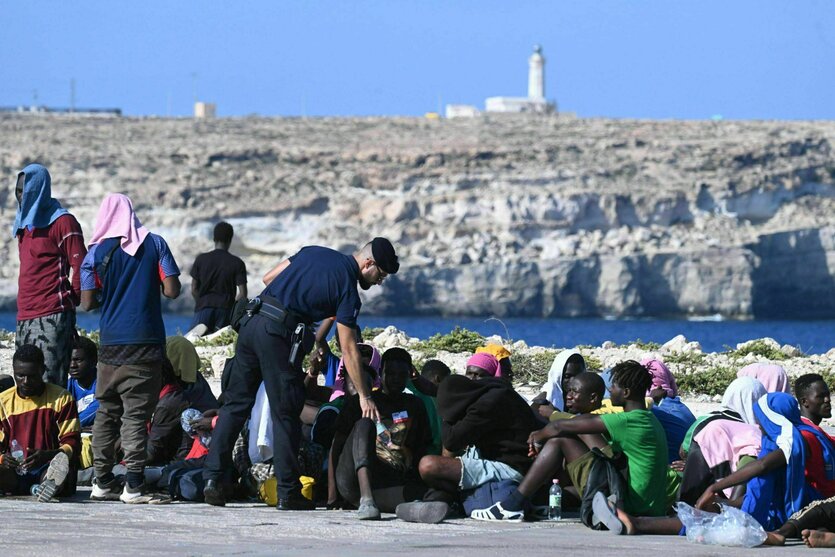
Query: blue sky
[(646, 59)]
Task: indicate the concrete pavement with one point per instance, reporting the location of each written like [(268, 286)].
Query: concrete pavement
[(85, 528)]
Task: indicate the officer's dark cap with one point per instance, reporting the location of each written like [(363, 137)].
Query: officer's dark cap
[(384, 256)]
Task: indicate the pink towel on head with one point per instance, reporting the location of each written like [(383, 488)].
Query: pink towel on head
[(116, 219), (772, 376), (661, 377), (487, 362)]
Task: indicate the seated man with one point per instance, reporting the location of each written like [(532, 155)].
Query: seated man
[(634, 432), (812, 394), (806, 524), (81, 384), (584, 396), (82, 381), (40, 420), (425, 390), (485, 429), (435, 371), (376, 464)]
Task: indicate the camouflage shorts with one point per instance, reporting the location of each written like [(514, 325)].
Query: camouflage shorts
[(54, 334)]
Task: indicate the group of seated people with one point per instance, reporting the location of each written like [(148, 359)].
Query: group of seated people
[(621, 443)]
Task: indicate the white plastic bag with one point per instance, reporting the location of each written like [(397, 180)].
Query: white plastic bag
[(732, 527)]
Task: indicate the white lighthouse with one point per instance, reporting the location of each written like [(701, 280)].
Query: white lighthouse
[(535, 101), (536, 75)]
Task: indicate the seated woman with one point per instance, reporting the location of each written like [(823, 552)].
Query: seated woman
[(502, 354), (772, 376), (737, 405), (567, 365), (166, 439), (484, 365), (719, 449), (186, 366), (673, 414), (776, 487), (376, 464)]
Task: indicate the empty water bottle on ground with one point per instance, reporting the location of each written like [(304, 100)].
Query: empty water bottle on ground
[(555, 501), (17, 453)]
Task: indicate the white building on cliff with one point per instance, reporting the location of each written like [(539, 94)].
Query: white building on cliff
[(534, 102)]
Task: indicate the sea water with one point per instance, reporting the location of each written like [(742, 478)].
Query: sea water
[(812, 337)]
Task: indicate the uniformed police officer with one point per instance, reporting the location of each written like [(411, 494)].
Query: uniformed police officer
[(314, 284)]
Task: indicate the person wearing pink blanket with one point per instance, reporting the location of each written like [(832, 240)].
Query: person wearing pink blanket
[(772, 376), (124, 272)]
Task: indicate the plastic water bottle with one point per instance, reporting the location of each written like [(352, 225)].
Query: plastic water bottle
[(17, 454), (383, 434), (555, 501)]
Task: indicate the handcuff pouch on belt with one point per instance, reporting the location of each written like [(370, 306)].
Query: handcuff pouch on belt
[(300, 333)]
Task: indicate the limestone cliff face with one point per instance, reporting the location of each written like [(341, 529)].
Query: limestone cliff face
[(507, 216)]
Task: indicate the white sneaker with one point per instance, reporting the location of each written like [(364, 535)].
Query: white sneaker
[(137, 496), (497, 512), (106, 492)]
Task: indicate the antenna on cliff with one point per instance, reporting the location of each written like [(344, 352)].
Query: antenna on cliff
[(194, 86), (506, 332)]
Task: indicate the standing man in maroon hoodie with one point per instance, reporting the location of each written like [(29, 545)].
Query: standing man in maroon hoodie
[(51, 247)]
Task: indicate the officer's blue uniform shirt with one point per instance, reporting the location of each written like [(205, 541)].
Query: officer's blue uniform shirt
[(319, 283)]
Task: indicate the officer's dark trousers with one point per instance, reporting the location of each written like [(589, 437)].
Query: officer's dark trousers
[(261, 355)]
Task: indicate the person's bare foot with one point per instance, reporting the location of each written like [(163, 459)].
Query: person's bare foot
[(815, 538), (627, 522), (773, 538)]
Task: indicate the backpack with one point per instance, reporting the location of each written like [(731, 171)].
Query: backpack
[(606, 475), (487, 494)]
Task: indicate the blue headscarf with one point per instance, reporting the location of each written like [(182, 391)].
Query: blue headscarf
[(771, 499), (37, 208)]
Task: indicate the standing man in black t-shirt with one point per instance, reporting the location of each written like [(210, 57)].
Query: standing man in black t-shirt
[(314, 284), (218, 280)]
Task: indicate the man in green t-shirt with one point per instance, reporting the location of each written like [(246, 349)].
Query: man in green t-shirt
[(562, 449)]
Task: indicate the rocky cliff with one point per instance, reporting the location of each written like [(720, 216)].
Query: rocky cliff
[(508, 215)]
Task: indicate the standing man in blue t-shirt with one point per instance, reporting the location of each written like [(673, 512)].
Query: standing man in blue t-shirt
[(123, 273), (314, 284)]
